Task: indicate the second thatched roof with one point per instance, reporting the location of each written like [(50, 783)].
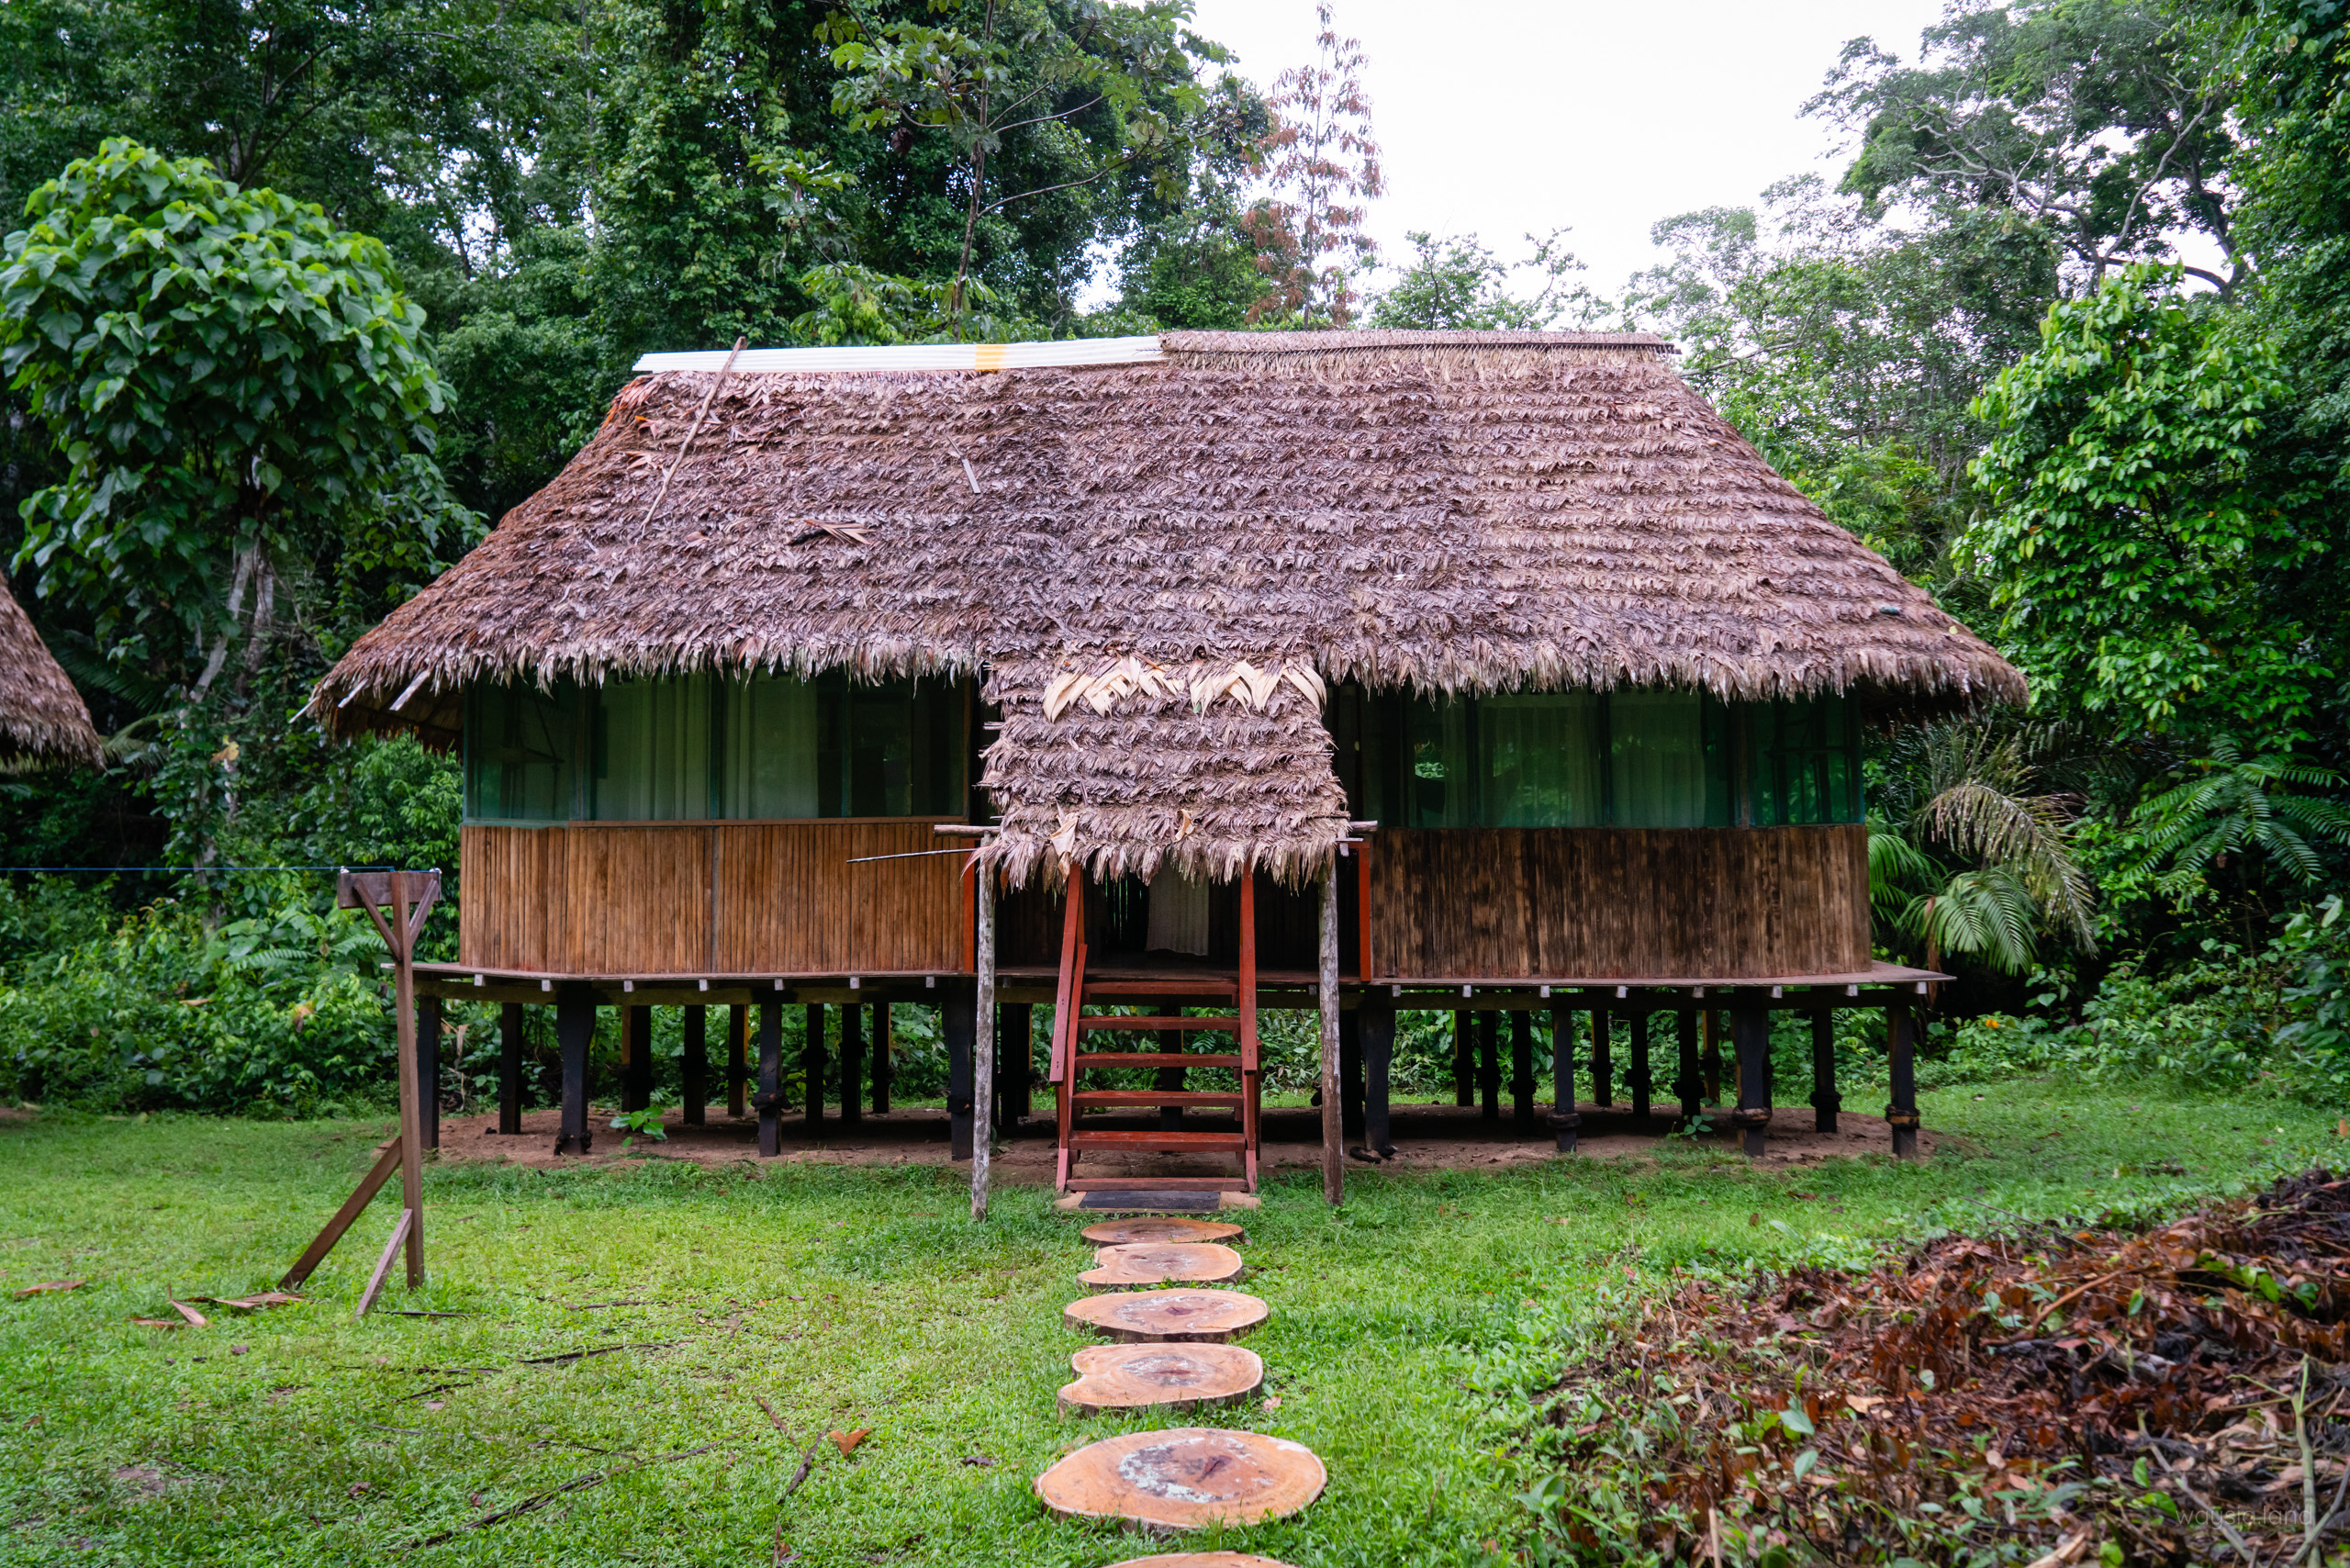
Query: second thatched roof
[(42, 717), (1158, 563)]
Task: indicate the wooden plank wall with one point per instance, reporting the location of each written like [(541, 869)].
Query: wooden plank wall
[(1656, 903), (710, 898)]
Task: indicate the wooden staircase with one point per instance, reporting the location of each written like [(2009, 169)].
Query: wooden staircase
[(1072, 1026)]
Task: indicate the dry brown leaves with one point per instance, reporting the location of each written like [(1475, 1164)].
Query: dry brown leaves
[(2177, 1395)]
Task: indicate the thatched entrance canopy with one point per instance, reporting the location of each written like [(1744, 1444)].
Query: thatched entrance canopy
[(42, 717), (1159, 564)]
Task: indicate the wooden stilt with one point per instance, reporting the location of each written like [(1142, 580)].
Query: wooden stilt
[(1749, 1027), (1351, 1073), (769, 1099), (1900, 1027), (1825, 1102), (1521, 1068), (738, 1058), (1464, 1057), (985, 1025), (1690, 1083), (1638, 1079), (428, 1069), (1710, 1023), (883, 1045), (1019, 1062), (811, 1065), (1565, 1120), (1489, 1064), (575, 1029), (1333, 1152), (961, 1029), (852, 1066), (1378, 1014), (510, 1018), (637, 1059), (693, 1064), (1603, 1065)]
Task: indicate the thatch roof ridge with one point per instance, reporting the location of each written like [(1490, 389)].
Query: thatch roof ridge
[(1366, 340), (42, 717)]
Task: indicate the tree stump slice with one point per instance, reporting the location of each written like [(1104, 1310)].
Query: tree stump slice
[(1160, 1377), (1184, 1478), (1163, 1263), (1201, 1560), (1164, 1227), (1167, 1318)]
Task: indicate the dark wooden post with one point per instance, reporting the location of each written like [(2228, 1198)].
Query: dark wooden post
[(1690, 1082), (812, 1064), (1603, 1063), (1020, 1063), (1351, 1073), (1378, 1057), (510, 1068), (636, 1077), (882, 1066), (1712, 1023), (693, 1070), (1489, 1063), (1521, 1068), (769, 1099), (852, 1065), (428, 1069), (1750, 1029), (575, 1028), (960, 1026), (738, 1058), (1464, 1057), (1900, 1028), (1825, 1100), (1565, 1120), (1640, 1080)]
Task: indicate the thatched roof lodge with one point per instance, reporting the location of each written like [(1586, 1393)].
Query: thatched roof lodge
[(42, 717), (1522, 598)]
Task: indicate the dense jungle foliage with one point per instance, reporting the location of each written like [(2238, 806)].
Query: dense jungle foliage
[(299, 300)]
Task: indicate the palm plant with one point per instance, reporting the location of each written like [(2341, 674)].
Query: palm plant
[(2231, 804), (1967, 856)]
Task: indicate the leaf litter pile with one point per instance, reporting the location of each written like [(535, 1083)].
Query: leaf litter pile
[(2176, 1396)]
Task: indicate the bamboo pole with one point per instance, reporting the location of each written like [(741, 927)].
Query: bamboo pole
[(983, 1044), (1334, 1175)]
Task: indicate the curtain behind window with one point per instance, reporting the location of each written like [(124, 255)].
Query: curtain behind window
[(768, 749), (652, 750), (1658, 758), (1540, 764)]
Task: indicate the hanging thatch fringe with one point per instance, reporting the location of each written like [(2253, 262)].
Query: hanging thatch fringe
[(42, 717), (1446, 512)]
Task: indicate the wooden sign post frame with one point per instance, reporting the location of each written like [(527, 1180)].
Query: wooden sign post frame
[(397, 903)]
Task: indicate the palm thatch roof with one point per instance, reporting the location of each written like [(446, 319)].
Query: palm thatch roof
[(1446, 511), (42, 717)]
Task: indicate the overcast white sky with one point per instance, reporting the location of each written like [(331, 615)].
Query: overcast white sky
[(1505, 116)]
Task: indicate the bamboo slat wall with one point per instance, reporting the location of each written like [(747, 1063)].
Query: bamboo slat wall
[(1620, 902), (710, 898)]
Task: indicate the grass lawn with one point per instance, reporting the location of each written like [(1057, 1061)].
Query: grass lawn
[(1404, 1329)]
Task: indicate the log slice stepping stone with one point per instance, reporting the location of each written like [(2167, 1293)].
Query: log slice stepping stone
[(1201, 1560), (1163, 1227), (1160, 1377), (1163, 1263), (1184, 1478), (1169, 1317)]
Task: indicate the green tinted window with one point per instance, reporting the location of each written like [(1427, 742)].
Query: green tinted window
[(1656, 746), (767, 741), (1802, 762), (653, 756), (519, 753), (888, 748)]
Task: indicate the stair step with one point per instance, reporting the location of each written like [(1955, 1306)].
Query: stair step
[(1162, 1141), (1086, 1061), (1145, 1186), (1224, 1021), (1085, 1097), (1104, 988)]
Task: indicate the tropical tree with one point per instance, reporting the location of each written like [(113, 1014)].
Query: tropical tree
[(1457, 285), (2230, 805), (1322, 167)]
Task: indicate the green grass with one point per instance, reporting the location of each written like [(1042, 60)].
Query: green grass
[(1404, 1330)]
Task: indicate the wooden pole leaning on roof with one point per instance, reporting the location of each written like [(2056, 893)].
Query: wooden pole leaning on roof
[(692, 431), (983, 1042), (408, 896), (1334, 1173)]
